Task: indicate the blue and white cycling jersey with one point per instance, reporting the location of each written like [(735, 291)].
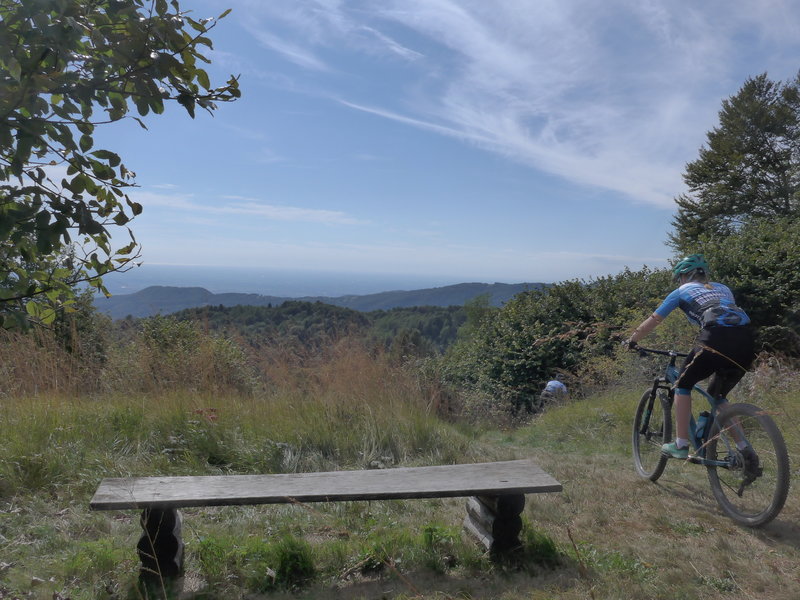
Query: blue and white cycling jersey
[(555, 387), (706, 305)]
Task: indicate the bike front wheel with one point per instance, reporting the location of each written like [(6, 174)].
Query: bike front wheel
[(753, 484), (652, 427)]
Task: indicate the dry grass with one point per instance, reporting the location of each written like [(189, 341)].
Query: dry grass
[(347, 407), (655, 540)]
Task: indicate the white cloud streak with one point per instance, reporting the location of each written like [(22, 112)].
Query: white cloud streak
[(238, 206), (292, 52), (616, 95)]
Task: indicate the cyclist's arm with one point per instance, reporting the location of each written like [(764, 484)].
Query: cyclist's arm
[(670, 303), (646, 327)]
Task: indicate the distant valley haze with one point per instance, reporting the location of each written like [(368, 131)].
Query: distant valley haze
[(273, 282), (160, 289)]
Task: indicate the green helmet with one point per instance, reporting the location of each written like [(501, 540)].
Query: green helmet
[(690, 264)]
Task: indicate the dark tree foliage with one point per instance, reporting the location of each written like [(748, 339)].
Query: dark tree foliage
[(538, 334), (407, 332), (306, 323), (68, 67), (761, 263), (422, 330), (749, 169), (743, 208)]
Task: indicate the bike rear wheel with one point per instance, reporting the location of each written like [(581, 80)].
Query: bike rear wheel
[(750, 492), (652, 427)]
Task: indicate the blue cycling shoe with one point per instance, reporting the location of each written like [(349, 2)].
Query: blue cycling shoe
[(673, 451)]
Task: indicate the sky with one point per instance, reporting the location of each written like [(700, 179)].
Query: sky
[(453, 140)]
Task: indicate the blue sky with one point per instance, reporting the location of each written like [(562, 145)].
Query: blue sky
[(460, 140)]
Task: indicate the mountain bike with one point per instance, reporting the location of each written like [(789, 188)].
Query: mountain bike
[(739, 444)]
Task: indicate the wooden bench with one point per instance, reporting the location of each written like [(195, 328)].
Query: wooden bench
[(496, 490)]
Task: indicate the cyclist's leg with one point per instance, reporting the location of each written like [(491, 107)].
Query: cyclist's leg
[(697, 366), (734, 354), (683, 411), (724, 380)]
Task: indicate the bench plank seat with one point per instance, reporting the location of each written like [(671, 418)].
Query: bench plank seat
[(482, 479)]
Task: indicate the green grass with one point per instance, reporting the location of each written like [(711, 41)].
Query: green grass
[(608, 535)]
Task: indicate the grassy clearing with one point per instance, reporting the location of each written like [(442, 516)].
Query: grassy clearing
[(608, 535), (639, 539)]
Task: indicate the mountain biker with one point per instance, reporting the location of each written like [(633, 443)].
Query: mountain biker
[(555, 389), (724, 347)]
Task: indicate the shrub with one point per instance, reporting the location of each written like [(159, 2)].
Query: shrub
[(513, 352)]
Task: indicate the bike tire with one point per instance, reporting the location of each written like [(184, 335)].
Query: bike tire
[(652, 427), (761, 499)]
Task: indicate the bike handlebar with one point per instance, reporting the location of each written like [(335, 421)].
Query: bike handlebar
[(642, 349)]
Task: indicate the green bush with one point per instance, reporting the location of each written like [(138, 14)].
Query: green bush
[(761, 263), (513, 352), (287, 563), (94, 558), (538, 548), (440, 544)]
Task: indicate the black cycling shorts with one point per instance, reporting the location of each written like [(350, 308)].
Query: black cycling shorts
[(724, 352)]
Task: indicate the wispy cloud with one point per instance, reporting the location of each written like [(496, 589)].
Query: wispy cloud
[(248, 206), (238, 206), (390, 44), (291, 51), (388, 114), (617, 94)]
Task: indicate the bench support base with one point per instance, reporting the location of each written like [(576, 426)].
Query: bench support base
[(161, 547), (495, 522)]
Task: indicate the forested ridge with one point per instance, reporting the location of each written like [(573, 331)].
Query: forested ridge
[(168, 299), (421, 330)]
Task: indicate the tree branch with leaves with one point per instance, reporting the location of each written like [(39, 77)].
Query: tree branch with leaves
[(66, 68)]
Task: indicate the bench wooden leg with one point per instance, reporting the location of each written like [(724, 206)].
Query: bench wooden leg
[(495, 521), (161, 548)]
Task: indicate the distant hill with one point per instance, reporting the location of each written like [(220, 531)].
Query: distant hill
[(165, 300)]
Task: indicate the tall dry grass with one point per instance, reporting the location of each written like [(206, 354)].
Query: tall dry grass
[(177, 401), (171, 401), (35, 363)]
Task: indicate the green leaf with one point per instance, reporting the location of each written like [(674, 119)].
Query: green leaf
[(44, 243), (112, 158), (142, 105), (187, 101), (47, 316), (86, 128), (86, 143), (77, 184), (14, 68), (196, 25), (202, 79)]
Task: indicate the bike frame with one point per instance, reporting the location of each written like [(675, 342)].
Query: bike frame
[(666, 383)]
